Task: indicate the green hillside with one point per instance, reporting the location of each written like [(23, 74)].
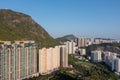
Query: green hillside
[(19, 26)]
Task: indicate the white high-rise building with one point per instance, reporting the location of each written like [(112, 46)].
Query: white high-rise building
[(108, 57), (116, 65), (96, 56)]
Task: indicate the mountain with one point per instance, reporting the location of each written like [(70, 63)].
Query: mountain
[(67, 38), (19, 26)]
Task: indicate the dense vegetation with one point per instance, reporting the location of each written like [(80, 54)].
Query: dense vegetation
[(19, 26), (62, 74), (90, 71), (113, 47)]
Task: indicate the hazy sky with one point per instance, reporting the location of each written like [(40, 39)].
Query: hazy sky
[(83, 18)]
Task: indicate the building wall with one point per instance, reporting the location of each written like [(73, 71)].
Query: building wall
[(82, 51), (49, 60), (109, 57), (56, 58), (70, 47), (116, 65), (42, 61), (81, 42), (63, 56)]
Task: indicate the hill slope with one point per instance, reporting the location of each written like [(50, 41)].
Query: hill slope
[(19, 26), (112, 47)]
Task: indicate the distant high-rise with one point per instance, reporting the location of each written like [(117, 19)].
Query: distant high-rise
[(116, 65), (63, 56), (71, 47), (108, 57), (81, 42), (18, 60), (82, 51), (96, 56)]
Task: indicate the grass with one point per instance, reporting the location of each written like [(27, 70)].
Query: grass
[(91, 71), (85, 64)]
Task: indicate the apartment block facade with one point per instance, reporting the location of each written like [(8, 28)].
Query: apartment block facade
[(71, 47), (63, 56), (18, 60), (82, 51), (116, 65), (96, 56), (108, 57), (81, 42), (49, 60)]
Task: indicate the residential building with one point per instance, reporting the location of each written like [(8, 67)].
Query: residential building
[(96, 56), (116, 65), (81, 42), (108, 57), (71, 47), (82, 51), (18, 60), (49, 60), (56, 58), (63, 56), (42, 61)]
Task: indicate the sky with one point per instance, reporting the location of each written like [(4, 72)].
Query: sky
[(83, 18)]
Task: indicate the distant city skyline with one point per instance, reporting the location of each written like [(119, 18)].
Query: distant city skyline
[(83, 18)]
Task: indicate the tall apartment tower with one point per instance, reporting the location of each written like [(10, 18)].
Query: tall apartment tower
[(56, 58), (82, 51), (116, 65), (81, 42), (18, 60), (70, 46), (108, 57), (49, 60), (42, 61), (63, 56), (96, 56)]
